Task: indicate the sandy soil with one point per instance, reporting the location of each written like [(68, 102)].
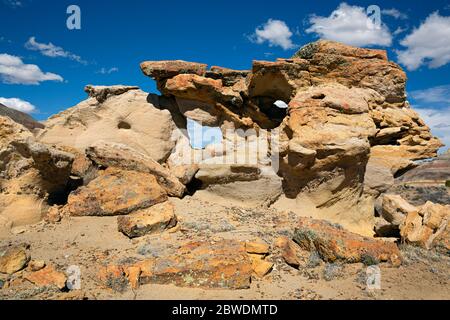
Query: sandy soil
[(86, 241)]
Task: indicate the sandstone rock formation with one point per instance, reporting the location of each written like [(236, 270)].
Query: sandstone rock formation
[(347, 113), (305, 146), (122, 115), (115, 192), (122, 156), (426, 226), (31, 173)]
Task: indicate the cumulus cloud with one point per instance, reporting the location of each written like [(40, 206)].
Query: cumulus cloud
[(18, 104), (350, 25), (275, 33), (395, 13), (14, 71), (439, 94), (439, 122), (50, 50), (429, 44), (108, 71)]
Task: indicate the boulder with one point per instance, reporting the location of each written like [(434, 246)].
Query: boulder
[(213, 265), (428, 227), (47, 277), (257, 247), (13, 259), (147, 221), (115, 192), (260, 266), (129, 118), (395, 209), (333, 243), (36, 265), (121, 156)]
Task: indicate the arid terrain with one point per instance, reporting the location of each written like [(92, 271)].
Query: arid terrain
[(304, 178)]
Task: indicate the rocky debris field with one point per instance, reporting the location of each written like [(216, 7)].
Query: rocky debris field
[(313, 179)]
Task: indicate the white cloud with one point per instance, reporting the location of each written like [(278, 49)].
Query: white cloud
[(276, 33), (50, 50), (439, 122), (439, 94), (18, 104), (395, 13), (399, 30), (350, 25), (13, 3), (14, 71), (429, 44), (108, 71)]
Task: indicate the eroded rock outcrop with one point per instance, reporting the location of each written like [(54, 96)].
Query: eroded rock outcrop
[(426, 226), (320, 128), (121, 156), (114, 114), (32, 174), (347, 121)]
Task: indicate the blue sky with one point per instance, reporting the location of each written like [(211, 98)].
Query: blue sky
[(44, 65)]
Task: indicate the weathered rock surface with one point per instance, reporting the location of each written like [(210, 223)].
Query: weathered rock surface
[(160, 70), (128, 118), (47, 277), (223, 265), (428, 227), (347, 112), (122, 156), (147, 221), (115, 192), (333, 243), (395, 209), (31, 173), (13, 259), (291, 252)]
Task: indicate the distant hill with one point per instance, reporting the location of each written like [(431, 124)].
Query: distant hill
[(20, 117)]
